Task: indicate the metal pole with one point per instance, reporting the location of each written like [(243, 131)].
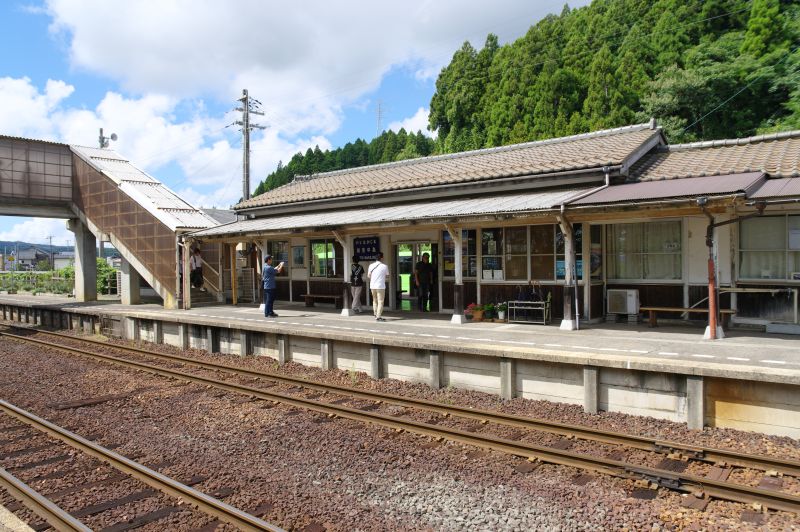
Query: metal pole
[(246, 144)]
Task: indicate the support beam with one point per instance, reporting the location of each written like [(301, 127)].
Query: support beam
[(234, 287), (508, 378), (244, 343), (184, 332), (283, 349), (129, 291), (375, 362), (158, 332), (569, 322), (130, 329), (436, 367), (347, 248), (212, 339), (591, 388), (85, 261), (326, 352), (458, 291), (695, 402)]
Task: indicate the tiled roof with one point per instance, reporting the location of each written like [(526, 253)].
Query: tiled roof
[(527, 202), (146, 190), (777, 155), (591, 150)]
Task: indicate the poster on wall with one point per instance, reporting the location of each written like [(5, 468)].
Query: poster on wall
[(366, 248)]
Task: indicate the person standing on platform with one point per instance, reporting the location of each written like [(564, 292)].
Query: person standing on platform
[(356, 284), (196, 270), (423, 275), (377, 283), (268, 279)]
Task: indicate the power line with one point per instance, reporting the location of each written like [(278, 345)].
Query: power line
[(738, 92)]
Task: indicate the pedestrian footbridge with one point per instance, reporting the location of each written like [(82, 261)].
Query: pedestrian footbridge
[(104, 197)]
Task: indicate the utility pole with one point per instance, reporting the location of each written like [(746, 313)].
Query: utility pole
[(52, 264), (379, 118), (249, 106)]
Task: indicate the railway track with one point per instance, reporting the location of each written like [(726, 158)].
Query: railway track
[(45, 452), (670, 473)]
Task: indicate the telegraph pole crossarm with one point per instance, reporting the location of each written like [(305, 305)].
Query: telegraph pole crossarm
[(249, 106)]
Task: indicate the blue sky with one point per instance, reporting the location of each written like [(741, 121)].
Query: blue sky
[(165, 75)]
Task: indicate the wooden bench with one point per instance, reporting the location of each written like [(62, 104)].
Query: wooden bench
[(725, 313), (311, 298)]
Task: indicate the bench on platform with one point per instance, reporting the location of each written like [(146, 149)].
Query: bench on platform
[(653, 321), (311, 298)]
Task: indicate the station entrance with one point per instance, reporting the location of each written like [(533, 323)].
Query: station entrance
[(407, 256)]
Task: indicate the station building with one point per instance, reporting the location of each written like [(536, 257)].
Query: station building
[(582, 217)]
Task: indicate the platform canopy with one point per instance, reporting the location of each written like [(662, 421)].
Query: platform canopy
[(420, 213)]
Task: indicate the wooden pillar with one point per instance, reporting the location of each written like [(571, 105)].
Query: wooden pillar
[(458, 292), (233, 274)]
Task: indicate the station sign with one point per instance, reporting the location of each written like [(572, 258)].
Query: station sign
[(366, 248)]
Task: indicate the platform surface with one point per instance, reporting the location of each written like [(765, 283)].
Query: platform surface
[(674, 348)]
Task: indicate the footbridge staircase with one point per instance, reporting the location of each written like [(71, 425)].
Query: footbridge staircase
[(104, 196)]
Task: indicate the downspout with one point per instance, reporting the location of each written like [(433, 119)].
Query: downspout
[(713, 305), (565, 223)]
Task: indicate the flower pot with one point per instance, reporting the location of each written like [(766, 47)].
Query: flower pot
[(488, 314), (477, 315), (501, 314)]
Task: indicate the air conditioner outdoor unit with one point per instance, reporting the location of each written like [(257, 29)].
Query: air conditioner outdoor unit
[(623, 301)]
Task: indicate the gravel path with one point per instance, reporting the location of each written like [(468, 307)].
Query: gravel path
[(314, 473)]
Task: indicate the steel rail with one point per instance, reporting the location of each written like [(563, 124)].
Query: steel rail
[(205, 503), (707, 454), (57, 517), (677, 481)]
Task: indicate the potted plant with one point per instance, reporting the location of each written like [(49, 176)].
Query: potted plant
[(501, 311), (474, 310), (489, 311)]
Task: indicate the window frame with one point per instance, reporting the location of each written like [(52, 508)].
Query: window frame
[(610, 265), (786, 250)]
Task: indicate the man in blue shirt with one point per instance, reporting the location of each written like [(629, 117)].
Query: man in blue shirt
[(268, 279)]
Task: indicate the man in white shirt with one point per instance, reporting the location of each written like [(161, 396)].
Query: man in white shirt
[(377, 284)]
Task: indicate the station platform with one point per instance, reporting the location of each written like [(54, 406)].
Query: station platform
[(670, 372)]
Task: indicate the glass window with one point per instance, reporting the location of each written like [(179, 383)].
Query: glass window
[(468, 254), (279, 250), (516, 239), (326, 258), (561, 272), (543, 252), (596, 252), (769, 248), (645, 251), (492, 254)]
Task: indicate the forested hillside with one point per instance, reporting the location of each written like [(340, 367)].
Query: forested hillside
[(705, 69), (387, 147)]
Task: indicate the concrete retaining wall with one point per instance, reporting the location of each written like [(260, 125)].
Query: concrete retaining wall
[(748, 405)]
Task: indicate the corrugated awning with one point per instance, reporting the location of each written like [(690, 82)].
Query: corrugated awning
[(412, 212), (716, 185), (778, 188)]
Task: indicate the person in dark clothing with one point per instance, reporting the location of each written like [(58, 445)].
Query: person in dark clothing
[(268, 279), (423, 276), (356, 284)]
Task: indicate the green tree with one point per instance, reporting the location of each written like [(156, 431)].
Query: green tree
[(764, 29)]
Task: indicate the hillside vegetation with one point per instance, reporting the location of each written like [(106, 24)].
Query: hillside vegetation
[(705, 69)]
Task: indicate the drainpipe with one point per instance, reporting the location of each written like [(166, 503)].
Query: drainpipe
[(572, 275), (713, 305)]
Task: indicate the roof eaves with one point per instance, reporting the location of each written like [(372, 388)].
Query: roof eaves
[(733, 142)]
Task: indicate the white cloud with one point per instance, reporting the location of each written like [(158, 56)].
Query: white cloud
[(37, 231), (24, 111), (412, 124), (304, 60)]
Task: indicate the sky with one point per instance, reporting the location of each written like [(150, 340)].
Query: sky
[(165, 76)]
